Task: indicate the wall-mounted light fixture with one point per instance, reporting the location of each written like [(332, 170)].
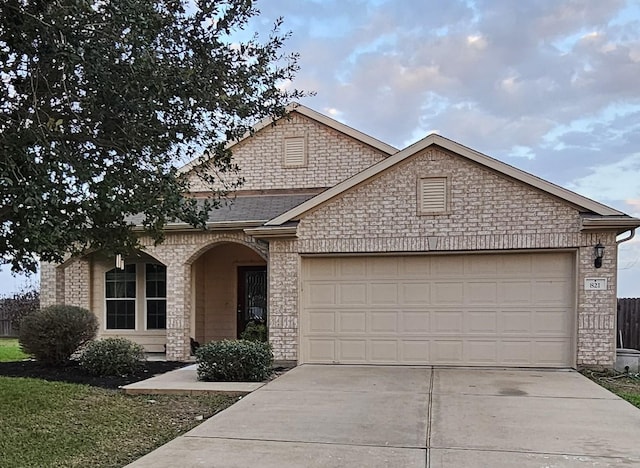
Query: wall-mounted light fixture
[(598, 251)]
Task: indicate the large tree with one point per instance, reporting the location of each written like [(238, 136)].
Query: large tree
[(101, 99)]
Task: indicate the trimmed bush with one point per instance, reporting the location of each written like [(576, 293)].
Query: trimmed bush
[(234, 361), (112, 356), (255, 332), (54, 333)]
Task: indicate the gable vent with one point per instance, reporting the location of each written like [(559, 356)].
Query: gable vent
[(295, 154), (432, 195)]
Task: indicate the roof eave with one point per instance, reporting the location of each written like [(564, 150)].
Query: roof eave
[(278, 232), (214, 225), (619, 224)]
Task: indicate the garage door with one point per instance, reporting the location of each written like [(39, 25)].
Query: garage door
[(477, 310)]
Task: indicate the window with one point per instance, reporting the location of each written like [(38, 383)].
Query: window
[(432, 195), (295, 154), (156, 296), (120, 294)]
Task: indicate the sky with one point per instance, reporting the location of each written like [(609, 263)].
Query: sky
[(549, 86)]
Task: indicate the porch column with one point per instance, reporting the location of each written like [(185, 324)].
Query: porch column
[(178, 311)]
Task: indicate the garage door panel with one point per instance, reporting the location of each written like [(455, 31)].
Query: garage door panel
[(481, 292), (383, 267), (412, 267), (384, 322), (447, 322), (481, 352), (352, 268), (415, 351), (352, 351), (321, 268), (384, 351), (352, 322), (415, 293), (550, 322), (447, 293), (321, 294), (447, 351), (483, 322), (319, 321), (479, 310), (321, 350), (515, 292), (515, 322), (415, 322), (516, 352), (447, 266), (550, 292), (481, 265), (383, 293), (352, 293)]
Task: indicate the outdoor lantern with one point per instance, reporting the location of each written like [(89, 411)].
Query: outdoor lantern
[(599, 252)]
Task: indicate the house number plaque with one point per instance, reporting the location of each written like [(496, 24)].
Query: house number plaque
[(595, 284)]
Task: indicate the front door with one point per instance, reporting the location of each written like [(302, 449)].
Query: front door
[(252, 296)]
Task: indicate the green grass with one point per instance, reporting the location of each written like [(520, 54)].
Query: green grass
[(10, 350), (626, 386), (67, 425)]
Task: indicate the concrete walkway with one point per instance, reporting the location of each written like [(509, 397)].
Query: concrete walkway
[(185, 381), (374, 416)]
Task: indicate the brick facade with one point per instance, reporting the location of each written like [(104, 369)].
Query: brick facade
[(488, 212), (332, 157)]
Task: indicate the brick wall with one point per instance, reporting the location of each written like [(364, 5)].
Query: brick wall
[(332, 157), (488, 212)]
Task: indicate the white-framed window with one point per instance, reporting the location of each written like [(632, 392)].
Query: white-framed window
[(156, 296), (295, 151), (120, 296), (433, 195)]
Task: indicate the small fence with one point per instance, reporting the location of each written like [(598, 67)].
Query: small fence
[(6, 329), (628, 333)]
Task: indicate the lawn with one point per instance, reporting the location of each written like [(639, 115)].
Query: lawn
[(64, 424), (626, 386), (10, 350), (70, 425)]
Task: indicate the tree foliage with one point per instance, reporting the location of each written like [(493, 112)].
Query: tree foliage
[(100, 99)]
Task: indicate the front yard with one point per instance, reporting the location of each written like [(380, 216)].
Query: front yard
[(47, 423), (62, 424)]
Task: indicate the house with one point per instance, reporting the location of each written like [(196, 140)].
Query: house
[(355, 252)]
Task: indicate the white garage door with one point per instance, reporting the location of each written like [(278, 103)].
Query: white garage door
[(477, 310)]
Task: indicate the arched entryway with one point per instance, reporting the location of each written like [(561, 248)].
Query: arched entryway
[(229, 290)]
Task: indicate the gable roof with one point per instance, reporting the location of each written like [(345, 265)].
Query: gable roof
[(313, 115), (433, 139)]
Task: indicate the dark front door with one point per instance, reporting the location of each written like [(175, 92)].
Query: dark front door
[(252, 296)]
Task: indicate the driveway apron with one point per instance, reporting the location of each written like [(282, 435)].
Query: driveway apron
[(377, 416), (315, 416)]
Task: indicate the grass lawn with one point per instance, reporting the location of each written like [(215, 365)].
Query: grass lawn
[(10, 350), (625, 386), (69, 425)]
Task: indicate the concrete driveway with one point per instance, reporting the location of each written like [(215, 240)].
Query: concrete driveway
[(374, 416)]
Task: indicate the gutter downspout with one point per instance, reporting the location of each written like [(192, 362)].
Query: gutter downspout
[(632, 233)]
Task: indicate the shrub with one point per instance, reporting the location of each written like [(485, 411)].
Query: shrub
[(54, 333), (255, 332), (234, 361), (112, 356)]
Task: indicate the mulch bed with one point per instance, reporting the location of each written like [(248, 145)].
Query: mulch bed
[(74, 374)]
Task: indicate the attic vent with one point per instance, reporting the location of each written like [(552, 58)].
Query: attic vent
[(295, 154), (432, 195)]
